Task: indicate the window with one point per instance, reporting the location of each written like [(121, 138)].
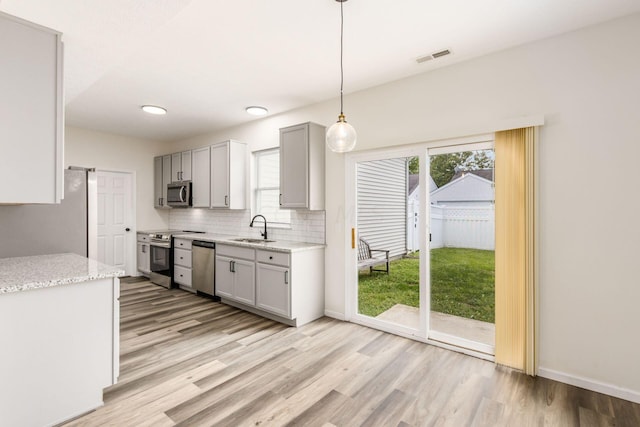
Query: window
[(267, 187)]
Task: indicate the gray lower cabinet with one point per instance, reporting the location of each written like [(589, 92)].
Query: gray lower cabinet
[(235, 274), (143, 254), (273, 288), (282, 285), (182, 264)]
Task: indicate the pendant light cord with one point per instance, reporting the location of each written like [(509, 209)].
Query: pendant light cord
[(341, 54)]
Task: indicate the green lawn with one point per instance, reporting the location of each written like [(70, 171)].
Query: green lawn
[(462, 284)]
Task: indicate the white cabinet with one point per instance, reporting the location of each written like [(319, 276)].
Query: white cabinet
[(273, 291), (229, 175), (282, 285), (161, 177), (201, 177), (31, 112), (143, 254), (235, 274), (302, 166), (181, 166), (182, 263)]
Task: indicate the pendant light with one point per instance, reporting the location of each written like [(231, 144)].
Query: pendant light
[(341, 136)]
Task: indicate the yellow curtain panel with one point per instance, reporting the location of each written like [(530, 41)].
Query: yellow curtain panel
[(515, 286)]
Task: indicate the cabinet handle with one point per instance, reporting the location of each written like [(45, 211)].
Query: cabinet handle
[(225, 200), (286, 277), (280, 199), (232, 266)]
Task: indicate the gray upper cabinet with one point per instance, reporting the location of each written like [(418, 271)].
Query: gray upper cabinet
[(31, 112), (181, 166), (302, 166), (201, 177), (161, 177), (229, 175)]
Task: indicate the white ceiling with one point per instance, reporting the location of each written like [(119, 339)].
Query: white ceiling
[(206, 60)]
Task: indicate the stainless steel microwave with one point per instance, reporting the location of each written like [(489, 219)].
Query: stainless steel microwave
[(179, 194)]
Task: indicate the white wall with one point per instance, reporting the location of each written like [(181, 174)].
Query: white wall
[(100, 150), (586, 84)]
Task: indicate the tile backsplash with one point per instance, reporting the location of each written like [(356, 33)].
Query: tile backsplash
[(306, 226)]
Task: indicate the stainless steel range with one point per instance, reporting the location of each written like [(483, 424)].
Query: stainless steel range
[(161, 257)]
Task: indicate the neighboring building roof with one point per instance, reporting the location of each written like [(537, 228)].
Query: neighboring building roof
[(467, 188), (482, 173), (414, 182)]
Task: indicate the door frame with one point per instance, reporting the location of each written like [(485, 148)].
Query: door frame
[(131, 236), (420, 149), (351, 203)]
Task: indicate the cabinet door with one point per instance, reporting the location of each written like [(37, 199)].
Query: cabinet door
[(166, 177), (176, 167), (182, 276), (143, 257), (157, 182), (200, 177), (294, 164), (273, 290), (182, 257), (245, 283), (31, 113), (220, 175), (224, 277), (185, 166)]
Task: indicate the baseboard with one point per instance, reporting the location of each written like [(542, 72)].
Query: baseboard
[(589, 384), (335, 315)]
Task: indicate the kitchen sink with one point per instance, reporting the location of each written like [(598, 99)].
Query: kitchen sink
[(247, 240)]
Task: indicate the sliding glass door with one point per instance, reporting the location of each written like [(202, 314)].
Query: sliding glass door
[(462, 247), (422, 243)]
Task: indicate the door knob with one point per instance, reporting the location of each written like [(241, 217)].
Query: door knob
[(127, 229)]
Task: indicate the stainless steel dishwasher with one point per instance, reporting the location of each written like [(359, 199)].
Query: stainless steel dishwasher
[(203, 258)]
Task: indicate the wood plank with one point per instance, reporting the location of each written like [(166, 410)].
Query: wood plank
[(190, 361)]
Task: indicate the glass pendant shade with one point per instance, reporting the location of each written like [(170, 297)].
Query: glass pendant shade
[(341, 136)]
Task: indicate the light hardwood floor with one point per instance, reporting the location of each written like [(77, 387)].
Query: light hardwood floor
[(188, 361)]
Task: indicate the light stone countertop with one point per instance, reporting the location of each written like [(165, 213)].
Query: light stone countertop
[(278, 245), (43, 271)]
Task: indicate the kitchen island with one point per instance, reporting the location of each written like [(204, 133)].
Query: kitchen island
[(59, 317)]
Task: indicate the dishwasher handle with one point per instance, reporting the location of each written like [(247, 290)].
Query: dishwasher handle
[(203, 244)]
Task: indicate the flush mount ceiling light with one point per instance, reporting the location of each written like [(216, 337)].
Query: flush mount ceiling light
[(154, 109), (256, 110), (341, 136)]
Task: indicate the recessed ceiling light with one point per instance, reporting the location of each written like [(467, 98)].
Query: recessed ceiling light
[(153, 109), (256, 110)]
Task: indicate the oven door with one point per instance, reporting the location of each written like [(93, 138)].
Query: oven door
[(160, 259)]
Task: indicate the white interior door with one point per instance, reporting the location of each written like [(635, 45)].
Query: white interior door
[(116, 220)]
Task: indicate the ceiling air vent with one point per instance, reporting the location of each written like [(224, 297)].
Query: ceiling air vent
[(435, 55)]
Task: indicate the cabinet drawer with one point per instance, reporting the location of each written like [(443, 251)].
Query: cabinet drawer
[(182, 257), (144, 238), (182, 275), (236, 252), (272, 257), (182, 243)]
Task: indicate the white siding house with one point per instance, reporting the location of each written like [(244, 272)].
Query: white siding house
[(468, 189), (382, 204)]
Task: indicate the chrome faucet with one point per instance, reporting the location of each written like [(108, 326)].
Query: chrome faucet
[(265, 225)]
